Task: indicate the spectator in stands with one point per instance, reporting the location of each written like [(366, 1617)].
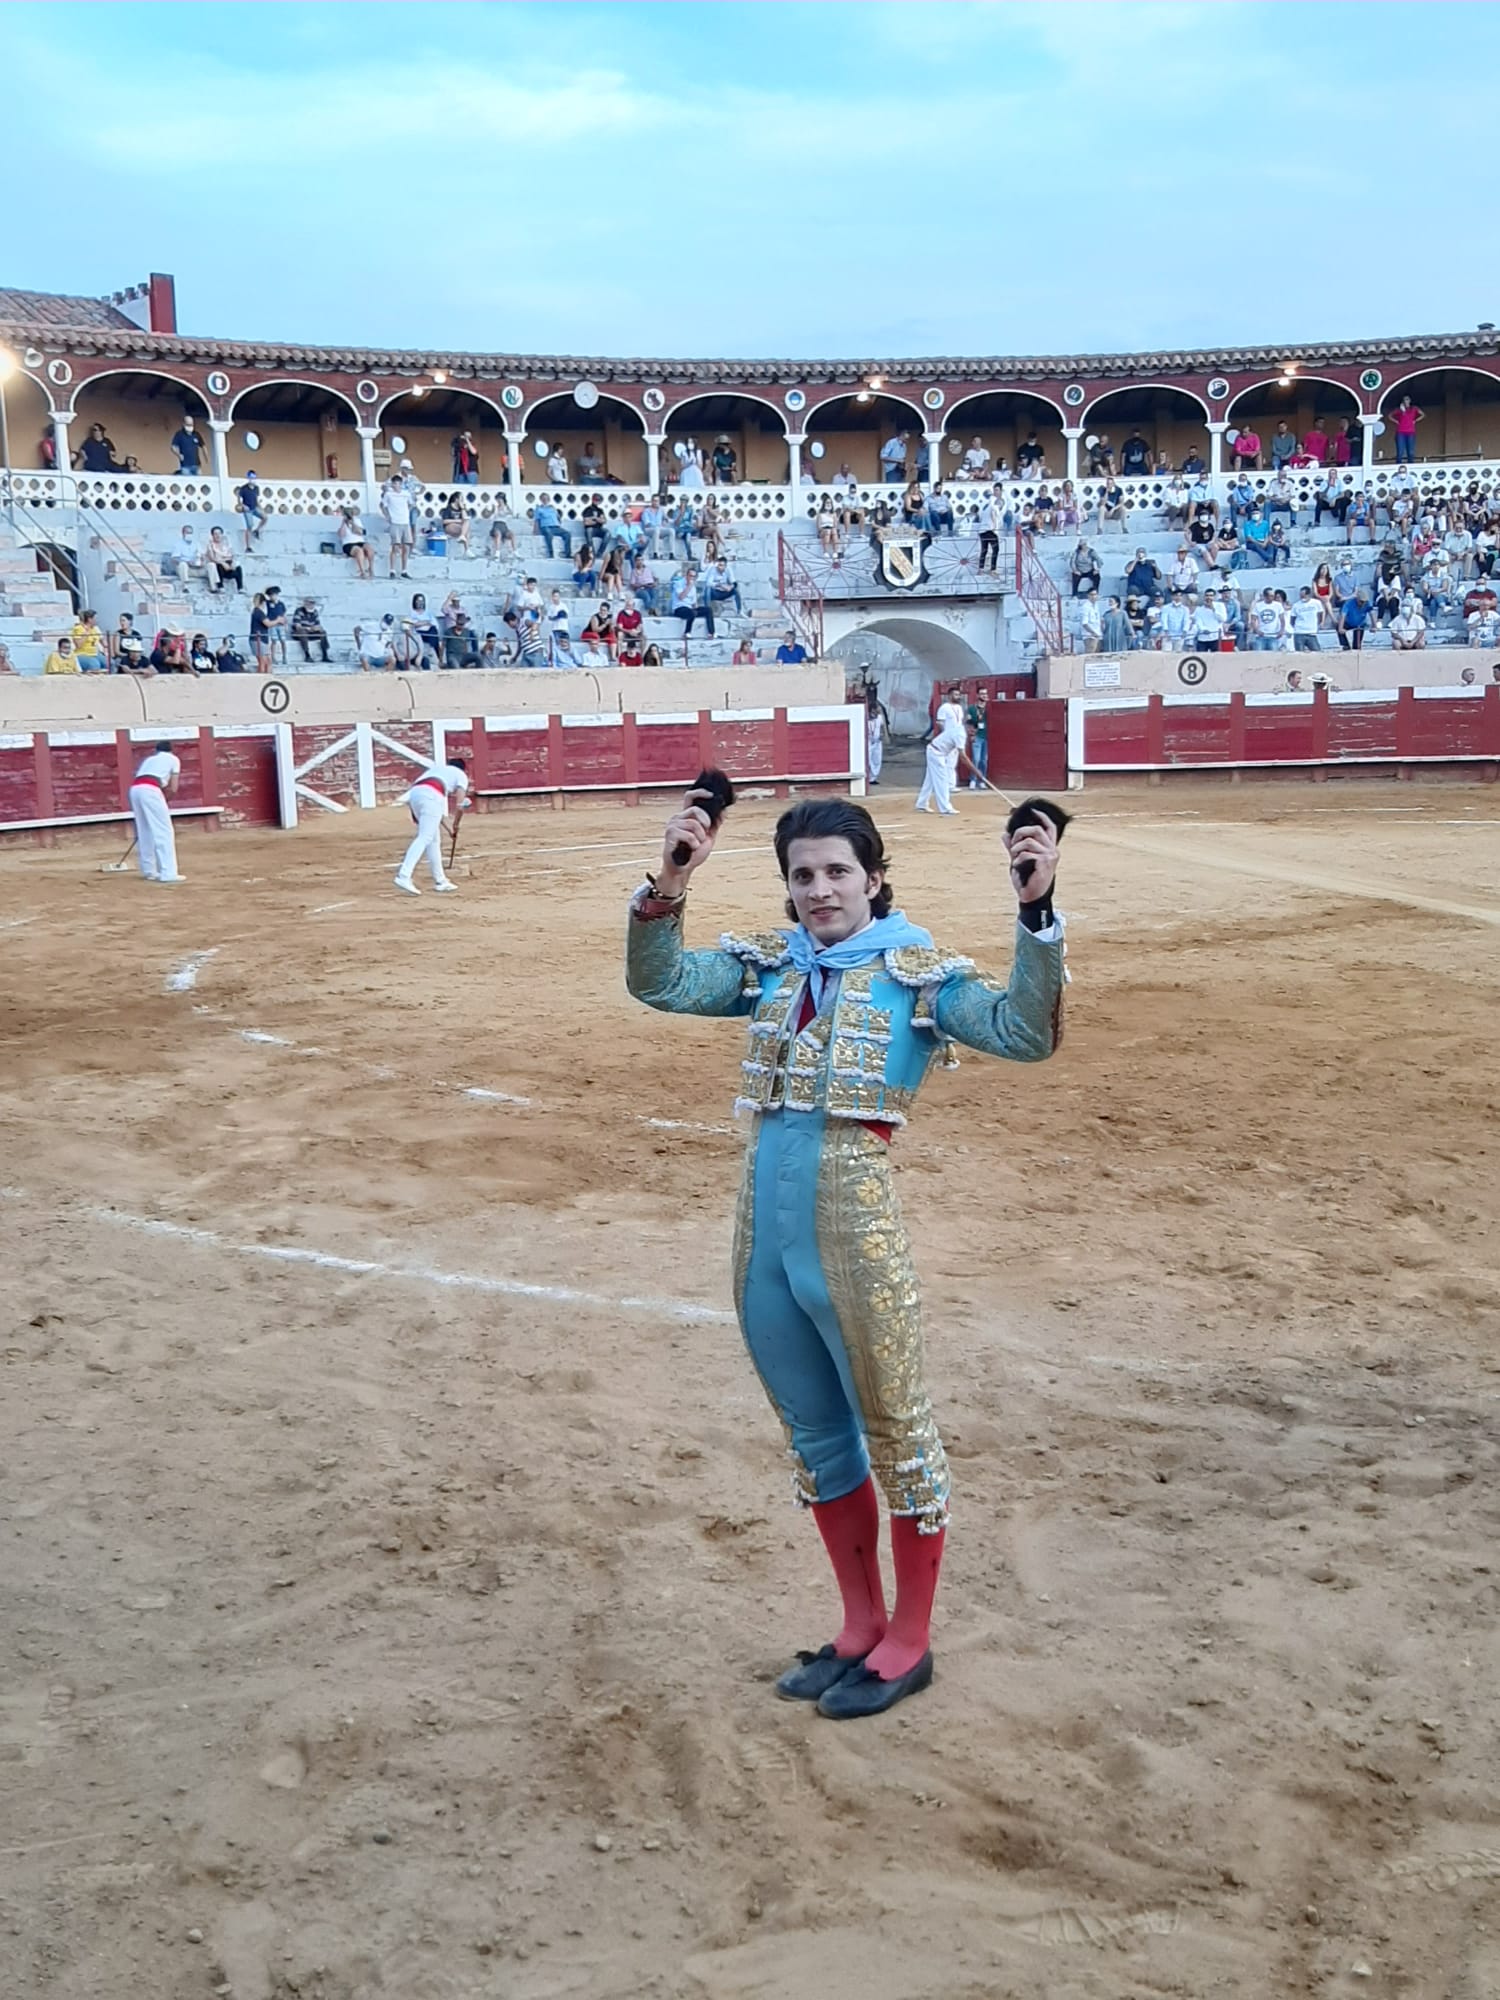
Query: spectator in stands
[(62, 659), (689, 456), (374, 650), (1409, 627), (1043, 512), (724, 462), (1208, 622), (991, 511), (1193, 466), (644, 585), (307, 630), (721, 588), (1083, 567), (977, 723), (557, 467), (1113, 505), (96, 454), (465, 459), (1436, 586), (843, 478), (1484, 625), (1278, 549), (187, 442), (185, 559), (559, 618), (976, 461), (585, 572), (587, 468), (711, 527), (1283, 447), (893, 458), (1176, 623), (1307, 621), (251, 508), (940, 512), (652, 656), (259, 643), (219, 563), (1176, 501), (1258, 536), (455, 520), (1143, 578), (491, 654), (826, 521), (630, 626), (1091, 622), (1184, 575), (7, 664), (1116, 633), (687, 601), (1101, 456), (355, 542), (396, 505), (459, 648), (1135, 457), (548, 524), (745, 654), (1245, 445), (1267, 623), (502, 535), (1359, 515), (1315, 443), (228, 660), (1387, 598), (1458, 546), (127, 649), (1405, 420), (791, 652), (1356, 617), (276, 622), (170, 655), (595, 527), (200, 655), (684, 520), (1281, 496), (1226, 551), (90, 648), (1067, 516)]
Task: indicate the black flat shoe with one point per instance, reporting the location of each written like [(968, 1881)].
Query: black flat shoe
[(813, 1675), (859, 1692)]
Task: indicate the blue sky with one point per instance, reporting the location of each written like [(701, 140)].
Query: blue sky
[(700, 179)]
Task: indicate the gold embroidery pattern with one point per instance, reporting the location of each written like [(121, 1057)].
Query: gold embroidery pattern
[(873, 1285), (804, 1481), (925, 965), (767, 949)]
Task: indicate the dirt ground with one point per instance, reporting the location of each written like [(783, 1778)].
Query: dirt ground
[(398, 1553)]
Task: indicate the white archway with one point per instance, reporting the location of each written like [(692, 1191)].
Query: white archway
[(184, 389), (297, 382)]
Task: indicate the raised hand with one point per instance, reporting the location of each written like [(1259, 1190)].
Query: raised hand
[(1038, 845)]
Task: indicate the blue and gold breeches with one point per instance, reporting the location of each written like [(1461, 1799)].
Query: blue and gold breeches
[(829, 1305)]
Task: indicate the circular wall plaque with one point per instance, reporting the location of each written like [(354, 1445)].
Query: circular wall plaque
[(1073, 394), (512, 396), (585, 395), (218, 383), (367, 391), (795, 399)]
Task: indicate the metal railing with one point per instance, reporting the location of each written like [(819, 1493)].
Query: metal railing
[(35, 533), (801, 599), (1041, 596), (141, 575)]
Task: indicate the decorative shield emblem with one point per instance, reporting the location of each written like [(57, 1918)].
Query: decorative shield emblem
[(903, 558)]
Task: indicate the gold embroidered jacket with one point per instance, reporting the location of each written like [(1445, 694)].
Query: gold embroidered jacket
[(866, 1057)]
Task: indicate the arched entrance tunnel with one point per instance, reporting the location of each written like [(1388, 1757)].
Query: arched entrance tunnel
[(905, 656)]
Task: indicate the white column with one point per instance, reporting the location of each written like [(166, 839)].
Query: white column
[(218, 432), (1367, 443), (1216, 449), (367, 434), (60, 445), (654, 442), (794, 446), (515, 444), (1072, 437), (934, 443)]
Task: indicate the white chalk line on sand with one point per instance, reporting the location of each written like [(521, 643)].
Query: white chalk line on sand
[(185, 978), (17, 923), (323, 909), (420, 1274)]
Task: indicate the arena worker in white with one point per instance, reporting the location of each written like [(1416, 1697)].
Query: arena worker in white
[(947, 739), (153, 784), (428, 799)]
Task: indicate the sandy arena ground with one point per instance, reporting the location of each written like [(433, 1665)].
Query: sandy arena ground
[(398, 1553)]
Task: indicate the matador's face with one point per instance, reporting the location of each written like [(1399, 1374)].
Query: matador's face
[(830, 889)]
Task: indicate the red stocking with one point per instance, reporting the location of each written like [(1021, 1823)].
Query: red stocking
[(918, 1559), (850, 1528)]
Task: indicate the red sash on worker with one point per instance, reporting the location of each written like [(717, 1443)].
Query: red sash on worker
[(147, 780), (434, 784)]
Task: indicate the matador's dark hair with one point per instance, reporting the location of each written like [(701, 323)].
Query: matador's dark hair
[(837, 819)]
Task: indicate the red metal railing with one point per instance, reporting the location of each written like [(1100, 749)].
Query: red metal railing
[(801, 599), (1041, 596)]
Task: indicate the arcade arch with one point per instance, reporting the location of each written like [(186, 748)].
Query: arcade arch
[(304, 431), (853, 428), (1003, 420), (1460, 413), (1171, 420), (755, 429), (141, 411), (427, 421), (612, 432), (1300, 403)]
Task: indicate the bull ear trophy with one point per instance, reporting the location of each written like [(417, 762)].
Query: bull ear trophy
[(720, 798), (1036, 812)]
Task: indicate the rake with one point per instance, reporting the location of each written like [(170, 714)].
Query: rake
[(119, 867)]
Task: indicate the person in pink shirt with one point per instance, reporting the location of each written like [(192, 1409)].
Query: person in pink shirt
[(1247, 451), (1315, 444), (1407, 417)]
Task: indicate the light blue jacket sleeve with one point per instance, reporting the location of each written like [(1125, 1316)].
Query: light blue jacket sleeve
[(673, 981), (1023, 1021)]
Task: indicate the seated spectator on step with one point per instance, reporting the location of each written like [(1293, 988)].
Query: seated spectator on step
[(1083, 567), (375, 649), (593, 654), (227, 658), (1245, 448), (1101, 457), (686, 600), (1334, 497), (1243, 499), (1481, 597), (1201, 533), (250, 507), (629, 624), (1176, 623), (1135, 457), (186, 558), (170, 654), (1043, 512), (713, 529), (652, 656), (354, 542), (1067, 515), (557, 467), (455, 520), (459, 647), (940, 512), (601, 629), (722, 588), (89, 646), (1436, 586), (1359, 517), (1283, 446), (1484, 624), (644, 586), (1208, 622), (96, 454), (588, 469), (1113, 506), (491, 653), (1458, 546), (1116, 632), (219, 563), (200, 655), (1278, 549), (1486, 550), (595, 526), (630, 653), (1031, 460), (1226, 551), (826, 521), (307, 630), (62, 659), (976, 461), (585, 572), (744, 654), (1258, 536), (548, 524), (724, 463), (1409, 627), (127, 647), (1281, 497), (1388, 595), (502, 535), (1143, 578), (1176, 501), (1184, 571), (791, 652)]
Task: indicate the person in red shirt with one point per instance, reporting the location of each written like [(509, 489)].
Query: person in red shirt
[(1315, 444)]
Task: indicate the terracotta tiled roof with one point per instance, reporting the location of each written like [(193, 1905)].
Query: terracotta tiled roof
[(58, 309), (108, 334)]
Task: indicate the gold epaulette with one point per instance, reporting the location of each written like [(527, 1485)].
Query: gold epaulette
[(925, 964), (768, 949)]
